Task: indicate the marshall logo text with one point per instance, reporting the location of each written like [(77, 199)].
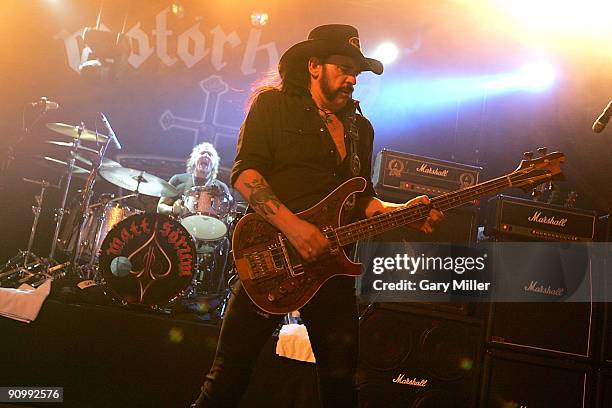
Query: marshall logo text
[(542, 219), (400, 379), (425, 168), (536, 287)]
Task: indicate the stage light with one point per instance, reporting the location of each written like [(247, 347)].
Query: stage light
[(259, 18), (419, 95), (177, 9), (534, 76), (386, 52), (538, 75)]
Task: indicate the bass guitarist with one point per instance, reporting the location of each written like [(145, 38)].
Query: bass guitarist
[(302, 138)]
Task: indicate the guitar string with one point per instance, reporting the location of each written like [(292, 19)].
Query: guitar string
[(394, 219), (397, 218)]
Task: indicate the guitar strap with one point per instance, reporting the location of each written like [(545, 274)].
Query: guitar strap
[(353, 135), (352, 132)]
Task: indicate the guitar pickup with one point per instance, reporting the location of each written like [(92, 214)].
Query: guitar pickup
[(332, 237), (277, 257)]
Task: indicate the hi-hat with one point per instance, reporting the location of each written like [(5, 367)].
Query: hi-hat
[(71, 145), (73, 132), (76, 170), (140, 181)]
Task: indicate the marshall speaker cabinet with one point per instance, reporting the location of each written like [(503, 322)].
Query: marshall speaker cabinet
[(532, 275), (415, 359), (518, 380)]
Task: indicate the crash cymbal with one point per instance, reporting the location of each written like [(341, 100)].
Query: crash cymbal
[(105, 162), (129, 179), (48, 159), (71, 145), (73, 132)]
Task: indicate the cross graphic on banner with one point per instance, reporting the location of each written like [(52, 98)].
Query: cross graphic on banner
[(206, 128)]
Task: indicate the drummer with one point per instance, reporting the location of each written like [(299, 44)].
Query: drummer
[(202, 169)]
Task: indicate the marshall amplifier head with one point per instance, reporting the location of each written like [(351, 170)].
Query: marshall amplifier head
[(399, 175), (520, 218)]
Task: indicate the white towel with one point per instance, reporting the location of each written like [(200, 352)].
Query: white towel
[(24, 303), (293, 343)]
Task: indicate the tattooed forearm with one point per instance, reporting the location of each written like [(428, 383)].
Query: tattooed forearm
[(262, 198)]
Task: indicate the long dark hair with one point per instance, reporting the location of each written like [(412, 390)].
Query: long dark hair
[(292, 75)]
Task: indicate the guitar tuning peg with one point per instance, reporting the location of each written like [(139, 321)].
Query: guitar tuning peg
[(551, 186), (536, 194), (528, 155), (542, 151)]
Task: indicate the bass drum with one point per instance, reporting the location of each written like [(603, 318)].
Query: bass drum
[(147, 259)]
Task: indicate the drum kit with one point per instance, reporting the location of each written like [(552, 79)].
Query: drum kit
[(142, 259)]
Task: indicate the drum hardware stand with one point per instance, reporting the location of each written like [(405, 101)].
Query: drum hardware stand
[(59, 214), (21, 265), (36, 210)]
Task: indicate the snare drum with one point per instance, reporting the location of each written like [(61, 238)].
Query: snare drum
[(209, 207), (147, 259)]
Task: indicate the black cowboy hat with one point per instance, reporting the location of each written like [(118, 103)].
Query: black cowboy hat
[(327, 40)]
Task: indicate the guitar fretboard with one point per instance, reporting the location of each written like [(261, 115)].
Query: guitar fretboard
[(381, 223)]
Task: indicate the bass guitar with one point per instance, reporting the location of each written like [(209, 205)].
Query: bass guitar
[(278, 280)]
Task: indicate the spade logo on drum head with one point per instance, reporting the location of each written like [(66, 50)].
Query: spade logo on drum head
[(147, 259)]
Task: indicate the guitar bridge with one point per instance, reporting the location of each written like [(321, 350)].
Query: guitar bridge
[(290, 255)]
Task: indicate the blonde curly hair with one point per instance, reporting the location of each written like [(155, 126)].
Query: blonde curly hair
[(193, 157)]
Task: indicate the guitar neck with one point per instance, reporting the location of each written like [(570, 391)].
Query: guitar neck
[(381, 223)]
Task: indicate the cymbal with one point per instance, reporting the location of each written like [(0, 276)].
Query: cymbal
[(129, 179), (77, 169), (105, 162), (73, 132), (71, 145)]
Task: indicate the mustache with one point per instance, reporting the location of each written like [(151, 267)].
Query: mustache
[(347, 88)]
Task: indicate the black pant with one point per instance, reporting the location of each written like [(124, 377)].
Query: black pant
[(331, 320)]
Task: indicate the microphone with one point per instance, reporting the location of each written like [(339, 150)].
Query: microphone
[(45, 104), (110, 131), (602, 120)]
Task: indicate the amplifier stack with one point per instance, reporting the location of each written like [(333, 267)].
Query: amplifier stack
[(513, 353)]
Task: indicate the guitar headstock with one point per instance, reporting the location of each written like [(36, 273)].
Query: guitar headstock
[(532, 172)]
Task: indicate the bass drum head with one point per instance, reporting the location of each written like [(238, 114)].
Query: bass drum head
[(203, 227), (147, 259)]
